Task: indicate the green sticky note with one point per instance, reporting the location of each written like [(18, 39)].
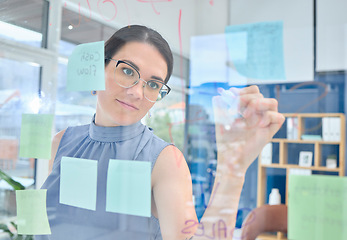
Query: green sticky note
[(129, 187), (86, 68), (256, 49), (31, 212), (35, 136), (317, 207), (78, 182)]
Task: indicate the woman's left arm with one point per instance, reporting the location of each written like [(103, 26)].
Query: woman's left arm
[(238, 145), (172, 192)]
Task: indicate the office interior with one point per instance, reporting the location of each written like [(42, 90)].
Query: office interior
[(309, 40)]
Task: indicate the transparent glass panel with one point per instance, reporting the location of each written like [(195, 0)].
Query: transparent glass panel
[(19, 87), (167, 117), (76, 108), (72, 107), (21, 21), (76, 28), (238, 44)]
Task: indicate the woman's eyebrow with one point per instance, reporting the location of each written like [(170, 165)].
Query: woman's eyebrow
[(132, 64), (138, 69)]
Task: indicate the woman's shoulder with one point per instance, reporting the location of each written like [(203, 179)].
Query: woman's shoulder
[(54, 147), (64, 136), (168, 152), (70, 131), (57, 137)]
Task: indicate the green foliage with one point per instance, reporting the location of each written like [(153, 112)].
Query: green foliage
[(16, 185), (166, 130), (13, 236), (23, 237), (6, 229)]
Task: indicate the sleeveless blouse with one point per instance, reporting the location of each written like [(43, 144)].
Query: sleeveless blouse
[(133, 142)]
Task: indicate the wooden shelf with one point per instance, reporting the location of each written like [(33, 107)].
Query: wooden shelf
[(313, 115), (283, 154), (285, 166), (284, 140), (270, 237)]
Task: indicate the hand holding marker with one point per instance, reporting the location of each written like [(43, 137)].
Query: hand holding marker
[(230, 102)]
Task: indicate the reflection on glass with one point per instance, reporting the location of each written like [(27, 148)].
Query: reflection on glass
[(167, 117), (21, 21), (72, 107), (17, 91), (19, 34)]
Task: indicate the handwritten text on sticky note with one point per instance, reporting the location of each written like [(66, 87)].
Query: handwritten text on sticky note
[(317, 207), (256, 50), (86, 68)]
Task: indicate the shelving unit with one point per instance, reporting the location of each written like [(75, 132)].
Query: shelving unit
[(317, 161)]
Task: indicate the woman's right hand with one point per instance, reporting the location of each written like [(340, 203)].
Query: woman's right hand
[(240, 140)]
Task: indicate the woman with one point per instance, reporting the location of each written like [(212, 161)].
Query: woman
[(138, 65)]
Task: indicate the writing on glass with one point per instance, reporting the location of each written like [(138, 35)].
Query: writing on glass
[(152, 3), (220, 229)]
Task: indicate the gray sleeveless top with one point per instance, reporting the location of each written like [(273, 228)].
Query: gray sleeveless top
[(133, 142)]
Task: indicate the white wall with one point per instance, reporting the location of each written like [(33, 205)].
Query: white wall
[(331, 35), (297, 17), (211, 16)]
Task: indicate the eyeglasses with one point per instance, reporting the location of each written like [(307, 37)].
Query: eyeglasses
[(127, 76)]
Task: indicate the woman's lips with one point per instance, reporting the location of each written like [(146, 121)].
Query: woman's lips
[(127, 105)]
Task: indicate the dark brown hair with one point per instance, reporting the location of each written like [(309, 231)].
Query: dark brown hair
[(138, 33)]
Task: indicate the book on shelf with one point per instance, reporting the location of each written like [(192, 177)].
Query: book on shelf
[(335, 128), (311, 137), (331, 129), (292, 128), (298, 171), (266, 154)]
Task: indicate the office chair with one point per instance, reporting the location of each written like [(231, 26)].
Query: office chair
[(267, 218)]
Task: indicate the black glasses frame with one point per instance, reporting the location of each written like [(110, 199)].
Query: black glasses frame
[(129, 64)]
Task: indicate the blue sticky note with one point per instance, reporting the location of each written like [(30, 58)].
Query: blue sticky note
[(36, 135), (31, 212), (317, 207), (86, 68), (256, 50), (78, 182), (129, 187)]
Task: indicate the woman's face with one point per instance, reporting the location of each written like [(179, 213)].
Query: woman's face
[(118, 106)]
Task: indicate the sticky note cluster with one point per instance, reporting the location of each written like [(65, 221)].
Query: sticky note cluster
[(317, 207), (128, 185), (35, 137), (31, 212), (256, 49)]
